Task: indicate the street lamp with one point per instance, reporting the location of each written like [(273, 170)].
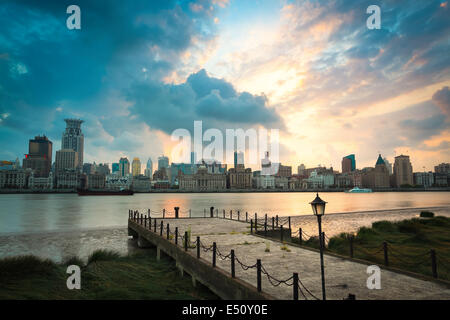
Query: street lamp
[(318, 207)]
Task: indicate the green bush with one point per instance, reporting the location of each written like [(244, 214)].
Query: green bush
[(426, 214), (103, 255), (20, 266)]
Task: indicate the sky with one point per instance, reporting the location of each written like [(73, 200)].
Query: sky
[(138, 70)]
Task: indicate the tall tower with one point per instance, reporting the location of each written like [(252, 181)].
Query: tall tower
[(124, 167), (39, 157), (136, 167), (403, 171), (73, 138), (149, 170)]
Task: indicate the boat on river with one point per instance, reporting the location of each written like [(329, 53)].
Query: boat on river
[(358, 190), (124, 192)]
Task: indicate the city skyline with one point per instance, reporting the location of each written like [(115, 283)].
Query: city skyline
[(311, 69)]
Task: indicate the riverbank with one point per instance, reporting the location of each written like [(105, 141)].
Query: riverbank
[(62, 191), (106, 275)]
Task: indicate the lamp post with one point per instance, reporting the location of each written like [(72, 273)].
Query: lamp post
[(318, 207)]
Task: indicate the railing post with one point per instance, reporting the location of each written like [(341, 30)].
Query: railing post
[(168, 232), (233, 272), (176, 235), (161, 228), (281, 233), (385, 249), (142, 218), (164, 213), (239, 215), (265, 229), (246, 216), (300, 235), (265, 218), (185, 241), (154, 226), (258, 274), (214, 254), (148, 211), (224, 213), (189, 213), (256, 222), (295, 285), (350, 240), (231, 214), (289, 220), (145, 222), (204, 213), (433, 263), (273, 223), (251, 226), (198, 247)]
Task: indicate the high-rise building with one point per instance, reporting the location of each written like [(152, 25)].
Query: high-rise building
[(124, 167), (193, 157), (115, 168), (403, 172), (66, 159), (136, 167), (39, 157), (348, 163), (73, 138), (301, 169), (238, 158), (148, 172), (163, 162)]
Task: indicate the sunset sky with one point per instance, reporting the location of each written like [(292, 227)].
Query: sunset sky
[(137, 70)]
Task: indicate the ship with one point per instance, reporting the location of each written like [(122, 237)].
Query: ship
[(358, 190), (122, 192)]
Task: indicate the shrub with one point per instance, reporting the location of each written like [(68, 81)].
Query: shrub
[(426, 214), (103, 255), (25, 265)]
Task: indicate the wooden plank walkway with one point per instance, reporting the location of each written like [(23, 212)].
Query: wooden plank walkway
[(343, 276)]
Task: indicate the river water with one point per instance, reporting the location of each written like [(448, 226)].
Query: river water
[(60, 225)]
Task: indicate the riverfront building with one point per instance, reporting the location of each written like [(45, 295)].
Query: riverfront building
[(163, 162), (202, 180), (124, 167), (39, 157), (66, 159), (240, 177), (73, 138), (403, 172), (136, 167), (377, 177)]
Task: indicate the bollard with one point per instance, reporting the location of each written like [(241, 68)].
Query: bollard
[(246, 216), (231, 214), (189, 213), (168, 232), (164, 213), (295, 285), (265, 229), (258, 274), (273, 223), (281, 233), (233, 274), (214, 254), (185, 241), (251, 226), (224, 213), (211, 212), (385, 249), (176, 235), (176, 209), (198, 247), (350, 240), (239, 214), (161, 229), (433, 263), (148, 211), (300, 236)]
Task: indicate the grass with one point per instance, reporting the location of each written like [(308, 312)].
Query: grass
[(107, 275), (409, 244)]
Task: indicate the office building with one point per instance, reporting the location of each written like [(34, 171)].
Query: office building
[(403, 172), (348, 163), (73, 138), (39, 157), (124, 167), (163, 162), (136, 167), (66, 159)]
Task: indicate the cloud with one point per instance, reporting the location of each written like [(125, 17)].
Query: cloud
[(442, 99), (214, 101)]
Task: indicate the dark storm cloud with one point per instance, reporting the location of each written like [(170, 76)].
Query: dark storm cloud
[(442, 99)]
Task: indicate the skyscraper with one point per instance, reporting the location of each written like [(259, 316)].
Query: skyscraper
[(66, 159), (403, 172), (124, 167), (348, 163), (149, 169), (238, 158), (163, 162), (39, 157), (115, 168), (73, 138), (136, 167)]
